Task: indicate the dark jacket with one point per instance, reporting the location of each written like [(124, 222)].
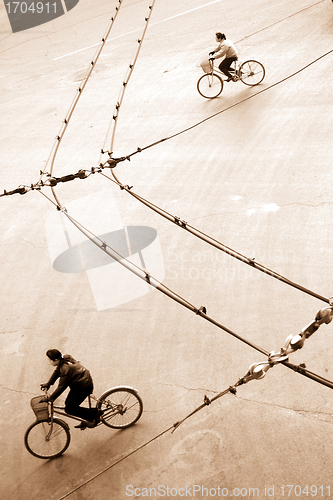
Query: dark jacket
[(72, 374)]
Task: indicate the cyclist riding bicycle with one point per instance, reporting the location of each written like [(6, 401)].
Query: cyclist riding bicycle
[(73, 375), (227, 50)]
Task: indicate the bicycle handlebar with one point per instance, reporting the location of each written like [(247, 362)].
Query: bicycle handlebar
[(45, 389)]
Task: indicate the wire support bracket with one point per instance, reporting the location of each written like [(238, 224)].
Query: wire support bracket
[(179, 221), (257, 371)]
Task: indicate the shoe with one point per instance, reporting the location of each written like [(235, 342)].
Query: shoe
[(90, 424), (229, 79), (81, 426)]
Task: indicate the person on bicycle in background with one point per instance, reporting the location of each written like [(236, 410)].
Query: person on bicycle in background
[(73, 375), (227, 50)]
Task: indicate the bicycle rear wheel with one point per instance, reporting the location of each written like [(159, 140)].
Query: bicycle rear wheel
[(122, 407), (210, 85), (44, 439), (252, 72)]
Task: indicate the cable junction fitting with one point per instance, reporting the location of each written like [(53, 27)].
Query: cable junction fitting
[(257, 371)]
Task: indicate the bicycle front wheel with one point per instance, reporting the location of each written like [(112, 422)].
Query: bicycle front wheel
[(252, 73), (210, 85), (122, 407), (44, 439)]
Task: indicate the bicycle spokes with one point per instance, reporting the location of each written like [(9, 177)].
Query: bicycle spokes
[(252, 72), (121, 407), (45, 439)]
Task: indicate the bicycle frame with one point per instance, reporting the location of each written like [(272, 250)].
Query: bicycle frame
[(235, 65), (60, 410), (249, 72), (119, 407)]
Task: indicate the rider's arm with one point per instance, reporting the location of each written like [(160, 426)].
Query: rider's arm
[(222, 50), (54, 377), (215, 50), (63, 384)]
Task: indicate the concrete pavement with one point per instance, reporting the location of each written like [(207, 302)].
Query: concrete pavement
[(256, 176)]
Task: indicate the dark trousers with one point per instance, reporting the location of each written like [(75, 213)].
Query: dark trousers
[(75, 397), (225, 65)]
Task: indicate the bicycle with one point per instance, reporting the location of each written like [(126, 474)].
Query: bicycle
[(49, 436), (250, 72)]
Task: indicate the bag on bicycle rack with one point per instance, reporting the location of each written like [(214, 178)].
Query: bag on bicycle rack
[(40, 409), (205, 66)]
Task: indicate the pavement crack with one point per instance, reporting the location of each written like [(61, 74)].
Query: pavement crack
[(189, 388), (16, 391), (298, 410)]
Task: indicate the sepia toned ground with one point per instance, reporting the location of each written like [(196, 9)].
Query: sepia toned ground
[(251, 168)]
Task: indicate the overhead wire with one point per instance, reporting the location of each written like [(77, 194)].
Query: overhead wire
[(139, 272), (142, 273), (59, 137), (151, 281), (213, 242), (112, 163), (108, 467), (200, 311), (256, 371), (128, 75), (187, 129)]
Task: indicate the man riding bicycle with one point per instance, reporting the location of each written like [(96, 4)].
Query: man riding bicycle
[(73, 375), (227, 50)]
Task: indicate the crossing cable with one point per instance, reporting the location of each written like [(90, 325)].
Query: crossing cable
[(124, 85), (141, 273), (128, 75), (238, 41), (140, 149), (295, 342), (144, 275), (108, 467), (83, 174), (258, 371), (80, 90), (212, 241), (112, 162)]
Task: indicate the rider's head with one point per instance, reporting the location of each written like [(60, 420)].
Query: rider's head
[(54, 356), (220, 36)]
